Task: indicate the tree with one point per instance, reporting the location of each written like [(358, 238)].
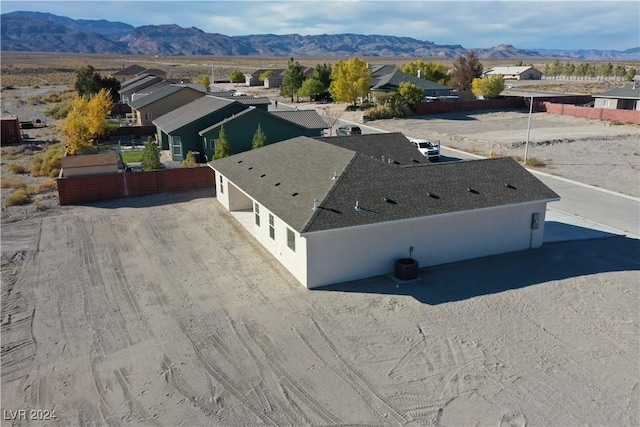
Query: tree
[(86, 121), (236, 76), (410, 94), (322, 72), (433, 71), (223, 148), (292, 79), (631, 73), (89, 82), (205, 80), (331, 115), (259, 138), (465, 69), (264, 76), (311, 87), (488, 87), (151, 156), (349, 80)]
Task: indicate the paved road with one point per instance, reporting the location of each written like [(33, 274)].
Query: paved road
[(613, 210)]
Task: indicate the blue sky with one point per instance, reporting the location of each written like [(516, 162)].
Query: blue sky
[(473, 24)]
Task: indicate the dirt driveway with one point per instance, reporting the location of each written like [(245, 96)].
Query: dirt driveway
[(162, 310)]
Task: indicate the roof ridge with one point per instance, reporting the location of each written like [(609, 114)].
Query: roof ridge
[(330, 192)]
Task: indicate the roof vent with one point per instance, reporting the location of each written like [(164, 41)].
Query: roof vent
[(390, 201), (250, 167), (276, 184), (239, 161), (433, 196), (294, 194), (263, 175), (383, 159), (415, 161), (315, 205), (471, 190), (335, 176), (513, 187), (358, 208), (389, 160)]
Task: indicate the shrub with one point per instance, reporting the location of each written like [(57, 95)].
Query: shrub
[(17, 168), (49, 162), (59, 110), (151, 156), (12, 183), (18, 197), (189, 161)]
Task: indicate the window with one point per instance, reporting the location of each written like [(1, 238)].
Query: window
[(291, 239), (607, 103), (212, 144), (148, 117), (221, 185), (177, 146), (256, 209), (272, 230)]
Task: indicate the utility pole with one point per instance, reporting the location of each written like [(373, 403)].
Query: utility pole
[(526, 145)]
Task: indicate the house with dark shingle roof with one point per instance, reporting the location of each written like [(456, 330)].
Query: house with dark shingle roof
[(346, 208), (391, 82), (162, 101), (276, 125), (624, 98), (138, 84)]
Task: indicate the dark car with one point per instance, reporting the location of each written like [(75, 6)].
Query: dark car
[(348, 130)]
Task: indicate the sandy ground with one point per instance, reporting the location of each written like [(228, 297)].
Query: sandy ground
[(162, 310)]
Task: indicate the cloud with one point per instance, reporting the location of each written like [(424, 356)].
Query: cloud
[(472, 24)]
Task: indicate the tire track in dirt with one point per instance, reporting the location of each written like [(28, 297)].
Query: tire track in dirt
[(357, 381)]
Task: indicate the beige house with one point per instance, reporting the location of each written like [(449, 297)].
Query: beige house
[(146, 108), (90, 164), (625, 98), (514, 73)]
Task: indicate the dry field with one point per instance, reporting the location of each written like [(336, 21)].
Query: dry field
[(163, 311)]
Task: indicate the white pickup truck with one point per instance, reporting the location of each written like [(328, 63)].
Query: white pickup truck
[(430, 150)]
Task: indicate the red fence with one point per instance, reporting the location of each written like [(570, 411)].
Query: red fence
[(81, 189), (624, 116)]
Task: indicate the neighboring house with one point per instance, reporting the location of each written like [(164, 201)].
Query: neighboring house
[(139, 84), (261, 102), (253, 79), (90, 164), (514, 73), (339, 209), (134, 71), (178, 129), (162, 101), (627, 98), (382, 70), (391, 82), (276, 125)]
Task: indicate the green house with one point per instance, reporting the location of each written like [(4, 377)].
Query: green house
[(178, 129), (276, 125)]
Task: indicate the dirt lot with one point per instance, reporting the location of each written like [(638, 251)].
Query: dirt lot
[(162, 310)]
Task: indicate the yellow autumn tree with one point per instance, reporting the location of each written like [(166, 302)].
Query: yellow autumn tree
[(349, 80), (86, 121)]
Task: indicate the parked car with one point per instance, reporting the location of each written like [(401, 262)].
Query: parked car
[(430, 150), (348, 130)]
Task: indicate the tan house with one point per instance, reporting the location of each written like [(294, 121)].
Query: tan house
[(148, 107), (624, 98), (514, 73), (90, 164)]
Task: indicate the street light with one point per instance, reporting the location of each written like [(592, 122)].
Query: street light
[(526, 145)]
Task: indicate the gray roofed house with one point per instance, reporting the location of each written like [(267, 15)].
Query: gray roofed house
[(162, 101), (179, 128), (331, 210), (391, 82), (308, 119), (624, 98), (137, 85)]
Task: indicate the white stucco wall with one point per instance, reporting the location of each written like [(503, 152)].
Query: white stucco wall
[(349, 254)]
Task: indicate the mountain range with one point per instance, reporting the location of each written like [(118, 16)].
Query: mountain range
[(45, 32)]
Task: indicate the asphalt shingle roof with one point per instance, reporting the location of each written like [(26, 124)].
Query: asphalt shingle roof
[(308, 119), (142, 83), (621, 93), (384, 192), (190, 112), (157, 95), (394, 79)]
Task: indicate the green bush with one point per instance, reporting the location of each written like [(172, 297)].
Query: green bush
[(151, 156), (189, 161), (18, 197), (59, 110)]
